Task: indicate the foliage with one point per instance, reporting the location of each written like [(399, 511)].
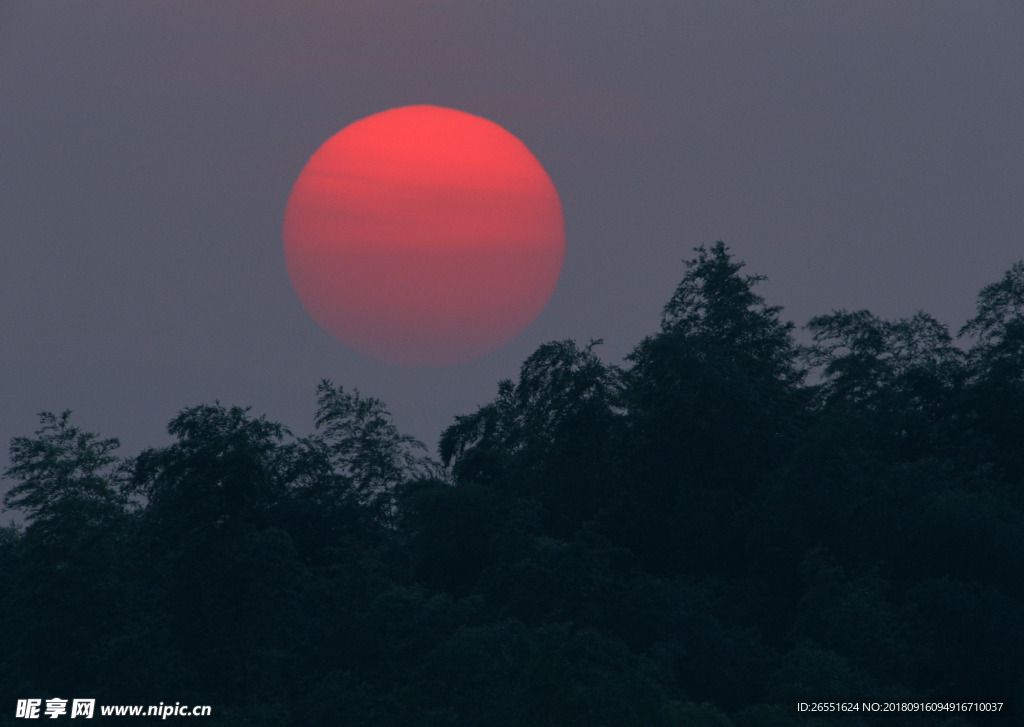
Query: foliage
[(864, 357), (999, 326), (994, 398), (365, 447), (64, 472), (720, 378), (699, 537), (220, 472), (551, 436)]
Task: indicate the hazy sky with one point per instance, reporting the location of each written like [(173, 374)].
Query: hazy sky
[(859, 154)]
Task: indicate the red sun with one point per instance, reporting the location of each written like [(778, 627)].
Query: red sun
[(423, 236)]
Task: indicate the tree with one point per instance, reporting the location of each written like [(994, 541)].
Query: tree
[(720, 378), (700, 539), (900, 379), (65, 473), (999, 326), (225, 469), (552, 435), (863, 357), (366, 449), (224, 581), (713, 403), (65, 590), (995, 395)]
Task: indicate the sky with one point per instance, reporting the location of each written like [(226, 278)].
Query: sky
[(860, 155)]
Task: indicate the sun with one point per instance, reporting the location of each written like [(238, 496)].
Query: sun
[(423, 236)]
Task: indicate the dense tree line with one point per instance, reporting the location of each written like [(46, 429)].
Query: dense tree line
[(725, 525)]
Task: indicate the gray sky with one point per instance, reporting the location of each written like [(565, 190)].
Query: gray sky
[(859, 154)]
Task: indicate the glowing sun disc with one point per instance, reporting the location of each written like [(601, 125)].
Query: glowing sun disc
[(423, 236)]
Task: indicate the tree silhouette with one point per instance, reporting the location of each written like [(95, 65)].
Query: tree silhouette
[(552, 436), (713, 402), (706, 535), (64, 593), (366, 449), (995, 397), (63, 472)]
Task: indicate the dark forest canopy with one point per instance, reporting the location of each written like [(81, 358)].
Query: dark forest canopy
[(723, 526)]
